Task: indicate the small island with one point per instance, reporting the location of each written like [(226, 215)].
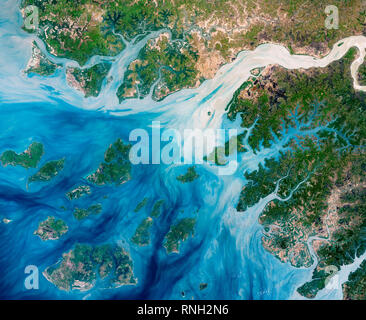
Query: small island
[(116, 168), (81, 214), (141, 205), (190, 176), (78, 192), (178, 233), (156, 210), (50, 170), (51, 229), (203, 286), (27, 159), (80, 266), (142, 233)]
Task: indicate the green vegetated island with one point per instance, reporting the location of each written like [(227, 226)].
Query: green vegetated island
[(116, 168), (27, 159), (141, 236), (81, 213), (200, 37), (142, 233), (157, 208), (324, 170), (30, 159), (189, 176), (78, 192), (141, 204), (178, 233), (47, 172), (51, 229), (203, 286), (81, 267)]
